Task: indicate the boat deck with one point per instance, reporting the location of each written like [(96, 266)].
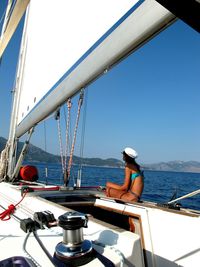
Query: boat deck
[(112, 223), (106, 238)]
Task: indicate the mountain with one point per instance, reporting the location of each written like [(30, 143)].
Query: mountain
[(176, 166), (36, 154)]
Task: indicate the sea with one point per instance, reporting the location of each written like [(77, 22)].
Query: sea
[(160, 186)]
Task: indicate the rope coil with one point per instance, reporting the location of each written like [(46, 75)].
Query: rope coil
[(5, 215)]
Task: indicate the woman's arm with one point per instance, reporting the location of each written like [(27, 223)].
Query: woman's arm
[(126, 183)]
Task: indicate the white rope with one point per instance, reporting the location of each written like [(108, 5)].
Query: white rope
[(185, 196), (82, 140), (66, 170), (45, 149), (4, 162), (69, 105), (75, 132), (60, 140)]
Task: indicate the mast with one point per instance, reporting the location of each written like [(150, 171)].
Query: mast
[(14, 12), (12, 140)]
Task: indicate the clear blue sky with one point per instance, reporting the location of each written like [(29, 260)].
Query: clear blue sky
[(149, 102)]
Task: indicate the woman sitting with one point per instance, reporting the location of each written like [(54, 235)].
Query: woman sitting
[(133, 185)]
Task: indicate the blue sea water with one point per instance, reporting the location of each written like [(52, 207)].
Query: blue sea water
[(159, 185)]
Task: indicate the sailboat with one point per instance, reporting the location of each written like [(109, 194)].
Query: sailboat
[(45, 225)]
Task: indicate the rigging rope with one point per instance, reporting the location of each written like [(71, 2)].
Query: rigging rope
[(75, 132), (4, 162), (45, 149), (69, 105), (82, 141), (57, 117), (66, 170), (62, 155)]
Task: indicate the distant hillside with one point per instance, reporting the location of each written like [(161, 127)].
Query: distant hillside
[(175, 166), (36, 154)]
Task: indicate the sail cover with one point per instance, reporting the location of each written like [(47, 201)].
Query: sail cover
[(58, 33), (67, 44)]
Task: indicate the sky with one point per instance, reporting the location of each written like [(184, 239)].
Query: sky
[(149, 102)]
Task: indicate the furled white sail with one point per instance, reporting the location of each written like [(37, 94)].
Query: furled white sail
[(70, 43), (58, 33)]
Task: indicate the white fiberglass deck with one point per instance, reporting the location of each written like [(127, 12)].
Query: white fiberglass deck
[(108, 241)]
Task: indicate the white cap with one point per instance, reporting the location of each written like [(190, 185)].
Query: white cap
[(131, 152)]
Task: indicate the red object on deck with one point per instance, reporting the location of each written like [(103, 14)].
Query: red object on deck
[(29, 173)]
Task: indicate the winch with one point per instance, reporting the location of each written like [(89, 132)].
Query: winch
[(73, 250)]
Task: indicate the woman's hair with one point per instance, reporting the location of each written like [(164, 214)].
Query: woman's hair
[(131, 161)]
